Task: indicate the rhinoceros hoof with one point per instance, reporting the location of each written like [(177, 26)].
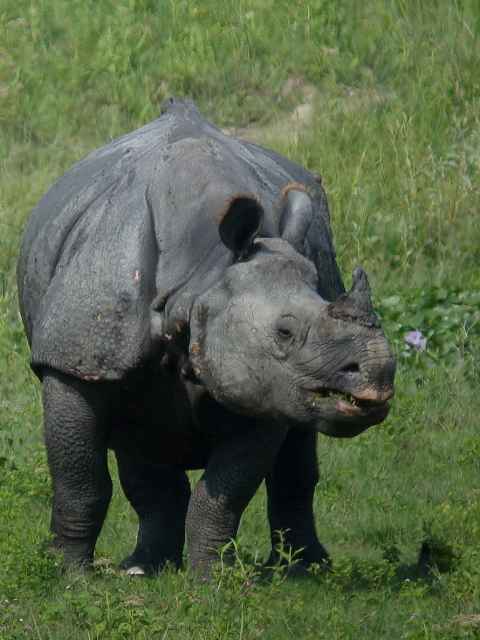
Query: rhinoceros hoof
[(133, 566), (136, 570)]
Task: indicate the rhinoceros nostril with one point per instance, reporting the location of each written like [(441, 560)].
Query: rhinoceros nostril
[(352, 367)]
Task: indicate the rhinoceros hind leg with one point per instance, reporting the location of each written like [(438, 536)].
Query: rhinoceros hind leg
[(76, 434), (290, 489), (159, 495)]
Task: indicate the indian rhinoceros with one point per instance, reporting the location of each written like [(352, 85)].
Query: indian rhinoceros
[(183, 304)]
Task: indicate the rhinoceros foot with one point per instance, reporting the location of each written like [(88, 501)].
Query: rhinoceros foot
[(135, 566)]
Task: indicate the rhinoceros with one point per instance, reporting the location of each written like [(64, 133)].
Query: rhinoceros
[(183, 305)]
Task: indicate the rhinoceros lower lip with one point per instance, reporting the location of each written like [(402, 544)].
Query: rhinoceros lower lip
[(347, 403)]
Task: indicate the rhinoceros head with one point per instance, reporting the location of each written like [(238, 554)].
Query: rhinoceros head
[(265, 343)]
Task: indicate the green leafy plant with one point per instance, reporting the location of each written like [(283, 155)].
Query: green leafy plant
[(449, 319)]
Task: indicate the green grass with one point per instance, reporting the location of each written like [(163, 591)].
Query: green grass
[(396, 137)]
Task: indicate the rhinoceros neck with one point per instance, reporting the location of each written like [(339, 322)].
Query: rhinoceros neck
[(177, 300)]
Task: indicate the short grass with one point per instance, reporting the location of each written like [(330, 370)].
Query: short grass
[(396, 137)]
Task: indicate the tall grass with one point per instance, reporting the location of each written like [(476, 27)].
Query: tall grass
[(396, 137)]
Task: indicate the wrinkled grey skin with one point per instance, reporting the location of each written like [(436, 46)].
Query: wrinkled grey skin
[(181, 297)]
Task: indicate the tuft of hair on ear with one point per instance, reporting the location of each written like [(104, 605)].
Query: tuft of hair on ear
[(240, 223), (293, 186)]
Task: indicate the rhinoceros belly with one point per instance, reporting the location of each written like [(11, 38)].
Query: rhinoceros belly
[(153, 422)]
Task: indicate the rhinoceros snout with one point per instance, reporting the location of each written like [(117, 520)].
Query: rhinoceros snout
[(369, 379)]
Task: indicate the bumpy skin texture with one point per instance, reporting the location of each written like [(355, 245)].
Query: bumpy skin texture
[(135, 221), (290, 488), (183, 304), (160, 495), (76, 436)]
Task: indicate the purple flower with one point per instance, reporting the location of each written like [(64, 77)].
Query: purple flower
[(416, 339)]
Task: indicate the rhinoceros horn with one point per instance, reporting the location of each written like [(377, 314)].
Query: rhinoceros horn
[(356, 304)]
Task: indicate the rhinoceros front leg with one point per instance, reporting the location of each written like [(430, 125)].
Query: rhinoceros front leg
[(159, 494), (76, 431), (233, 474), (290, 488)]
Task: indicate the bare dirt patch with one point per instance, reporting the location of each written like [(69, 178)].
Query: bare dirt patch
[(311, 102)]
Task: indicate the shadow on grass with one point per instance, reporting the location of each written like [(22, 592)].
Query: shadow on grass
[(242, 570), (355, 574)]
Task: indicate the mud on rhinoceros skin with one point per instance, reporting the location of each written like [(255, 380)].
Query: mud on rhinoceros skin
[(181, 296)]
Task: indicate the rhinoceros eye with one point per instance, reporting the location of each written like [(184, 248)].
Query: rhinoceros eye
[(285, 327)]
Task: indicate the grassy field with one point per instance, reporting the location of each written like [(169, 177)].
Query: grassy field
[(394, 129)]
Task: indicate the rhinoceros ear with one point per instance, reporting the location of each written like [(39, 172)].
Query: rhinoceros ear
[(240, 224), (296, 215)]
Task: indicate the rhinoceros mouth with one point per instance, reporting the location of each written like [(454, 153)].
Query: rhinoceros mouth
[(347, 404)]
